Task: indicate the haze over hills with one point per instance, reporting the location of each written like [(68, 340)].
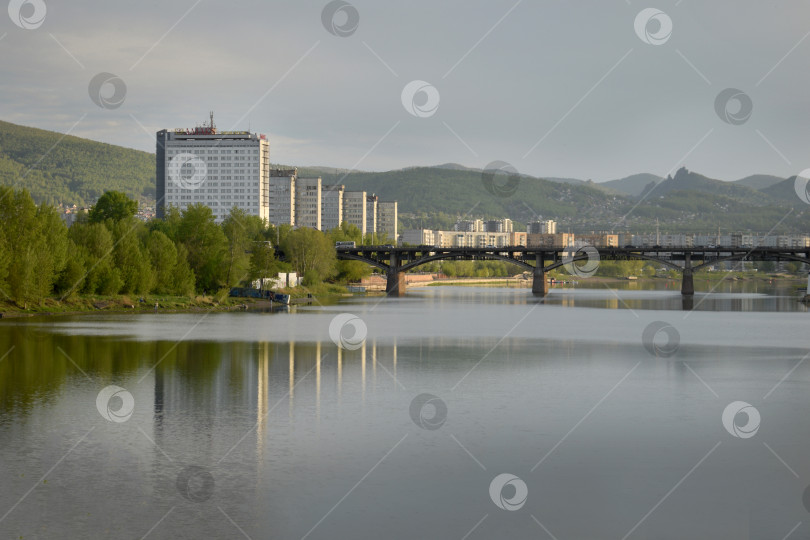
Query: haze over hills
[(57, 168)]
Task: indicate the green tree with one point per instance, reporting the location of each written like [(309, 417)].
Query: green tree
[(35, 246), (130, 256), (263, 263), (113, 205), (309, 250), (206, 244), (241, 232), (94, 246), (183, 276)]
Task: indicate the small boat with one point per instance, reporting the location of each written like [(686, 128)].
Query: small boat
[(281, 298)]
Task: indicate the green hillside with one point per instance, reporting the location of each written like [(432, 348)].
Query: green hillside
[(66, 169)]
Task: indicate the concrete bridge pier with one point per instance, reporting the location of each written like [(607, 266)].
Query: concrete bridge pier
[(395, 282), (688, 284), (539, 282)]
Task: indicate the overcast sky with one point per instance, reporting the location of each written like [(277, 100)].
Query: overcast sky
[(556, 88)]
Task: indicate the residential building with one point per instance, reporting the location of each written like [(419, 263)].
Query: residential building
[(281, 207), (418, 237), (517, 239), (220, 169), (549, 240), (599, 239), (548, 226), (308, 202), (354, 209), (332, 206), (371, 213), (499, 225), (469, 225), (387, 219)]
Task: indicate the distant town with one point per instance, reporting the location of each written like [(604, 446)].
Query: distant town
[(226, 169)]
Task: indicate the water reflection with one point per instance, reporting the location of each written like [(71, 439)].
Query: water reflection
[(199, 376)]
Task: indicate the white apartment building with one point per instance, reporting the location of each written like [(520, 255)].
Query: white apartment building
[(354, 209), (387, 219), (332, 206), (281, 199), (308, 202), (220, 169)]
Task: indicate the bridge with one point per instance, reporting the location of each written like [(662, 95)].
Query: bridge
[(395, 261)]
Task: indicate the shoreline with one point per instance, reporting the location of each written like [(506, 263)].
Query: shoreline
[(200, 304)]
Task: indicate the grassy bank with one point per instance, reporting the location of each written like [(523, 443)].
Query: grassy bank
[(165, 304)]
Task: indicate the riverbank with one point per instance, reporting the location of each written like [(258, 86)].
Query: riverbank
[(75, 305)]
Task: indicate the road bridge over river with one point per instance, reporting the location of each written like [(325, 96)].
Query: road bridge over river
[(579, 261)]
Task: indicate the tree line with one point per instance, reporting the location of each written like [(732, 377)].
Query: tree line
[(109, 251)]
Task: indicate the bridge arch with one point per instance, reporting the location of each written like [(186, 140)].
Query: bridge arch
[(450, 256), (372, 262)]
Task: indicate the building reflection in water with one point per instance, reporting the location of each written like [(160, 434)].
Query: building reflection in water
[(196, 391)]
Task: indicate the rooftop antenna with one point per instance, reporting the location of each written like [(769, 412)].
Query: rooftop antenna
[(212, 120)]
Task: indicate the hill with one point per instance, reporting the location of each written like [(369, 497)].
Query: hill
[(59, 168), (632, 185), (759, 181), (685, 180)]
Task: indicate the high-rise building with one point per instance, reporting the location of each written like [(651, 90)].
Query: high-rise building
[(548, 226), (387, 219), (470, 225), (308, 202), (220, 169), (371, 213), (281, 205), (499, 225), (332, 206), (354, 209)]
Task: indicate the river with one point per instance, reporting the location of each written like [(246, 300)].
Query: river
[(454, 412)]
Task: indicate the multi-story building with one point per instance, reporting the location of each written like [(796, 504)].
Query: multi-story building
[(517, 238), (499, 225), (281, 207), (354, 209), (548, 226), (599, 239), (308, 202), (418, 237), (332, 206), (371, 213), (220, 169), (387, 219), (549, 240), (469, 225)]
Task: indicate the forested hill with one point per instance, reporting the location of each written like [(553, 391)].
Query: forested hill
[(64, 169), (71, 170)]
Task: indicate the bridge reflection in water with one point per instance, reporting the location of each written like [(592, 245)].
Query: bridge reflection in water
[(395, 261)]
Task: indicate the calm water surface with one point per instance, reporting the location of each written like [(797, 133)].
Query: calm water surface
[(257, 425)]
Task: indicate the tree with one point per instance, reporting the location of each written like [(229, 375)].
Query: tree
[(310, 250), (35, 245), (131, 258), (263, 263), (206, 244), (241, 231), (163, 255), (94, 246), (113, 205)]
